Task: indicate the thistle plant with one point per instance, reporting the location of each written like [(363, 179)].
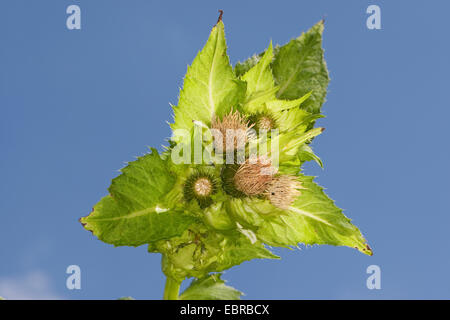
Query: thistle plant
[(229, 185)]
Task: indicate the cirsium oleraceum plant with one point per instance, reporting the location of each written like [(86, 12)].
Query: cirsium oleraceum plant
[(207, 202)]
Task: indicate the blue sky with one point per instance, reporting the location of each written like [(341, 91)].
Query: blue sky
[(75, 105)]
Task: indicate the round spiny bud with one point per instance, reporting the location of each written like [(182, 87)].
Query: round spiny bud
[(263, 121), (283, 190), (253, 176), (266, 123), (200, 186), (231, 132), (203, 187), (227, 175)]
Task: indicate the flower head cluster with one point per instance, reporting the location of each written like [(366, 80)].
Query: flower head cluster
[(230, 182)]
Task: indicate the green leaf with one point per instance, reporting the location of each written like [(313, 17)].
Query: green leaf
[(210, 86), (299, 67), (211, 287), (312, 219), (252, 213), (135, 212), (260, 78), (256, 101), (278, 105), (242, 67), (306, 153), (126, 298), (201, 250), (290, 142), (217, 217), (295, 119)]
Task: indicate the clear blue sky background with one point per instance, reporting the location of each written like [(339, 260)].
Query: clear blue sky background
[(75, 105)]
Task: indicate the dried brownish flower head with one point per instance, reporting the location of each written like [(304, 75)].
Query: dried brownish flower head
[(230, 133), (283, 190), (254, 175)]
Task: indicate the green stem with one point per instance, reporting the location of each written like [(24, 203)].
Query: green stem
[(172, 289)]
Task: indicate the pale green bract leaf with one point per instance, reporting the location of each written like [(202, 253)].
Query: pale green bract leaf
[(201, 250), (278, 105), (252, 213), (261, 88), (299, 67), (256, 101), (260, 78), (295, 119), (211, 287), (242, 67), (312, 219), (289, 143), (135, 213), (306, 153), (210, 86)]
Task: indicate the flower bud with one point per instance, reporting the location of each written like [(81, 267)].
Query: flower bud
[(283, 190), (200, 186)]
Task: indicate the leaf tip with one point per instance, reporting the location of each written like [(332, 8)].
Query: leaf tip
[(84, 223), (220, 16), (368, 250)]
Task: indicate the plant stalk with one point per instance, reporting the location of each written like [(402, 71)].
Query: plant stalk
[(172, 289)]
